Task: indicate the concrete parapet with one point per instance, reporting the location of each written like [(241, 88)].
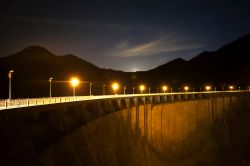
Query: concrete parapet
[(171, 125)]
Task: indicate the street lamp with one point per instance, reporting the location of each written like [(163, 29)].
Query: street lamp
[(90, 88), (186, 88), (10, 76), (115, 87), (164, 88), (124, 90), (208, 88), (231, 87), (50, 86), (142, 88), (133, 90), (149, 90), (74, 82)]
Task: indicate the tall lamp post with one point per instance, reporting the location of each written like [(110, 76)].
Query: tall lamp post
[(115, 87), (90, 88), (208, 88), (74, 82), (142, 88), (164, 88), (124, 90), (186, 88), (10, 76), (50, 86), (231, 87)]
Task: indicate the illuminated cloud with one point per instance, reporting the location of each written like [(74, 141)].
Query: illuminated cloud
[(161, 45)]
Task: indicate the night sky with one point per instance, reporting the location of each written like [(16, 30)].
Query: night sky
[(126, 35)]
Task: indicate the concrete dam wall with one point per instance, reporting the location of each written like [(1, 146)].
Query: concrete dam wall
[(212, 130)]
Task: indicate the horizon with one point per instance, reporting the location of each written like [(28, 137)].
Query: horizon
[(55, 54), (130, 71)]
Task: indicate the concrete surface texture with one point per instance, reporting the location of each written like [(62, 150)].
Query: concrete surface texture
[(212, 131)]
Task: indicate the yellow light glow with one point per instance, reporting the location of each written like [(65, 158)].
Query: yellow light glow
[(164, 88), (231, 87), (74, 81), (142, 87), (186, 88), (10, 73), (208, 88), (115, 86)]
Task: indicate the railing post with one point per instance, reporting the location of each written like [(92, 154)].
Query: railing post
[(179, 97), (165, 98), (6, 103), (172, 97)]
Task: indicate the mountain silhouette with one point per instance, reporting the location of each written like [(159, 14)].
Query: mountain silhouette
[(33, 66), (228, 65), (232, 57)]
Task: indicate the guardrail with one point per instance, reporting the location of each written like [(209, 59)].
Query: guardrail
[(28, 102)]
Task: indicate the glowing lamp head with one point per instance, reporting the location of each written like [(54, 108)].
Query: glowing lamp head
[(164, 88), (115, 86), (50, 79), (231, 87), (142, 87), (74, 81), (10, 72), (186, 88), (208, 88)]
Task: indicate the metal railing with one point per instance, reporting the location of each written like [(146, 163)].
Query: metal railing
[(28, 102)]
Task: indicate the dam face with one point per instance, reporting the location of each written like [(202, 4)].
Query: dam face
[(208, 131)]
